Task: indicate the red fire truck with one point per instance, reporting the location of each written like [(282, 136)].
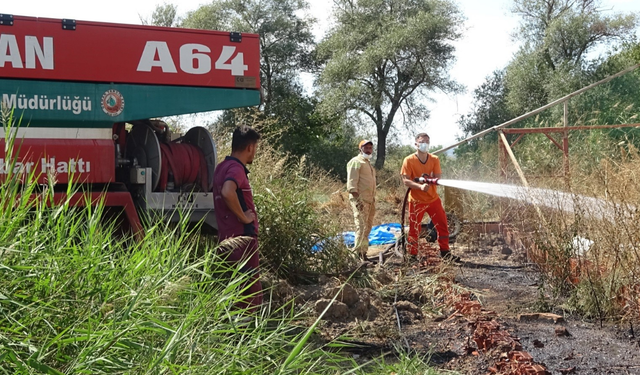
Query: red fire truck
[(88, 95)]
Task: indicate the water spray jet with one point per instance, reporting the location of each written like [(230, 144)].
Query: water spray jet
[(591, 207), (595, 208)]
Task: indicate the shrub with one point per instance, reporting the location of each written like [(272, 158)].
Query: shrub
[(299, 206), (289, 199)]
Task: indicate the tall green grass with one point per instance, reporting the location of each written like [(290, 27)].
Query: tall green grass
[(77, 299)]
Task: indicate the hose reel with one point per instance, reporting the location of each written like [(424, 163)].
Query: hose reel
[(187, 162)]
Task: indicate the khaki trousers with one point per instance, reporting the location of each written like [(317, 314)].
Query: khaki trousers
[(363, 217)]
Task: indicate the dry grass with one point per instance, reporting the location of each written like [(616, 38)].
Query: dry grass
[(601, 280), (607, 276)]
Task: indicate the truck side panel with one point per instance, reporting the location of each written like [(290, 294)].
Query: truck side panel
[(83, 160), (39, 48)]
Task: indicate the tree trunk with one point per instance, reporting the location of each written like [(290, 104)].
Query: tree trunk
[(382, 148)]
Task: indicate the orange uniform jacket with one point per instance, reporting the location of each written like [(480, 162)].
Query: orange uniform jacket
[(413, 167)]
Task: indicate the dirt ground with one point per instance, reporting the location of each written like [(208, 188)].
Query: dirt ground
[(506, 285), (478, 317)]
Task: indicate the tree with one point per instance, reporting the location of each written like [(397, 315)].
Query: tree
[(164, 15), (286, 42), (383, 56), (489, 105), (288, 118), (293, 125), (565, 30), (285, 35), (616, 102), (557, 36)]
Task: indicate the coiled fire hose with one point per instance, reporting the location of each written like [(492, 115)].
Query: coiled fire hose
[(186, 163)]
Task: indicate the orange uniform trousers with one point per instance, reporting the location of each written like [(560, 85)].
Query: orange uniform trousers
[(438, 217)]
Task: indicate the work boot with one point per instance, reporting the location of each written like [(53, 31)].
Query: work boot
[(446, 255)]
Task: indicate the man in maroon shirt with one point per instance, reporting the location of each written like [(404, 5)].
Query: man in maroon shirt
[(236, 213)]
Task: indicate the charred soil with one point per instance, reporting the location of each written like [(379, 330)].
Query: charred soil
[(485, 315)]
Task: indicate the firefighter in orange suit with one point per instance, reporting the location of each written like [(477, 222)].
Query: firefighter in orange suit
[(361, 185), (424, 198)]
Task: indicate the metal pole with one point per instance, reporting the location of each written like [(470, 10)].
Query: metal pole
[(502, 161), (505, 143), (561, 130), (519, 170), (565, 144), (536, 111)]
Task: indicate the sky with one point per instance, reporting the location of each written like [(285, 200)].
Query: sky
[(486, 44)]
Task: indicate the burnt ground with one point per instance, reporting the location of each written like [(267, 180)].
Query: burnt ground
[(400, 306), (506, 285)]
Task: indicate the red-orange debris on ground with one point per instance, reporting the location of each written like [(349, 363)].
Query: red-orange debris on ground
[(487, 333), (489, 336)]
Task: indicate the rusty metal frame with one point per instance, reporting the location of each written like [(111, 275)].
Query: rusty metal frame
[(505, 151), (562, 100)]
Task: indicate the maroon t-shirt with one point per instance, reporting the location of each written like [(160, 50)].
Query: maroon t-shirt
[(228, 224)]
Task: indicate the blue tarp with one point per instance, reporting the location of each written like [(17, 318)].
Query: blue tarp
[(382, 234)]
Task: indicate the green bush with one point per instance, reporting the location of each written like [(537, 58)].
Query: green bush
[(288, 197)]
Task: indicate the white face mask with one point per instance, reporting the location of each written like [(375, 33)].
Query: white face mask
[(366, 156), (423, 147)]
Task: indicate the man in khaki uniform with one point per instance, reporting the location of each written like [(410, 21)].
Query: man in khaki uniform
[(361, 185)]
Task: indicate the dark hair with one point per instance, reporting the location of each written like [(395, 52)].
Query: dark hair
[(420, 135), (243, 136)]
